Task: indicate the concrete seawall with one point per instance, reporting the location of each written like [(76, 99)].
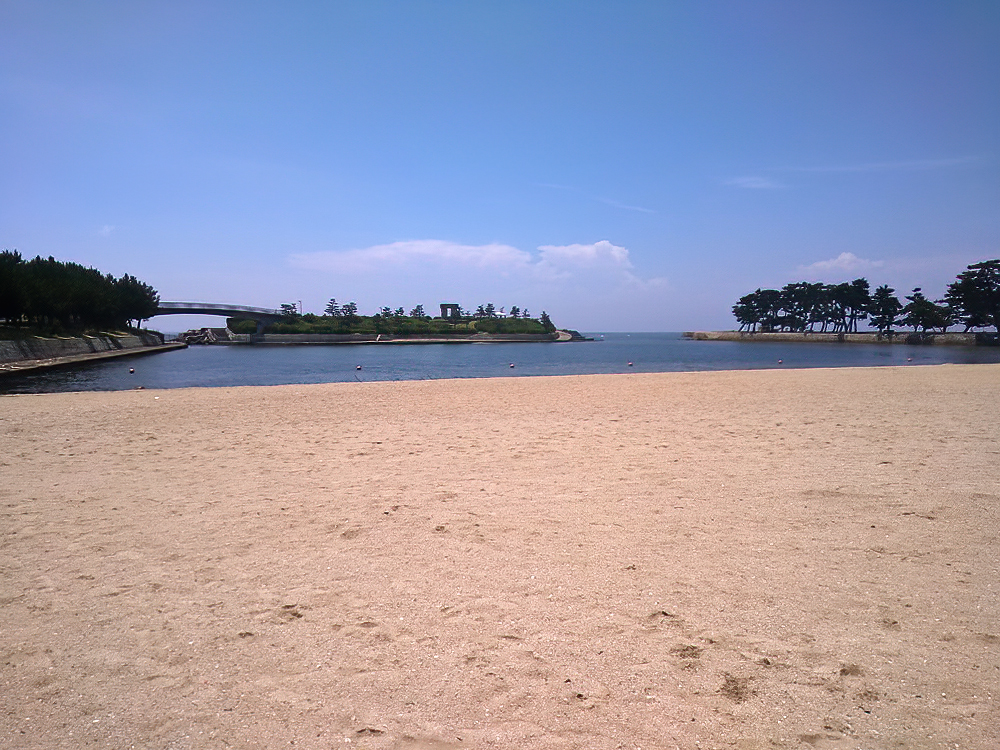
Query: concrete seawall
[(40, 352), (922, 339)]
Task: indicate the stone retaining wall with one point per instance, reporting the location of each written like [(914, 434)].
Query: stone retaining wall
[(39, 347)]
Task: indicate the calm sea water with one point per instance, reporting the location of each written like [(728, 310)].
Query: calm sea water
[(214, 366)]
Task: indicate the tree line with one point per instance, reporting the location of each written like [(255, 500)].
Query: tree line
[(345, 318), (482, 312), (53, 295), (972, 300)]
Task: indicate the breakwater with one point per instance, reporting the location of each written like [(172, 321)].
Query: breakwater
[(919, 339), (45, 352)]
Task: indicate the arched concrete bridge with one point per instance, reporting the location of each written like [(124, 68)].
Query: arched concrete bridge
[(262, 315)]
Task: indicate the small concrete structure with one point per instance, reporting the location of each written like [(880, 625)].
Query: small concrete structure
[(451, 311)]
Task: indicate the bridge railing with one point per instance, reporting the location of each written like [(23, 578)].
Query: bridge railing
[(164, 307)]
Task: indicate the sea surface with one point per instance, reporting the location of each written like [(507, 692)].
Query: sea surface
[(221, 366)]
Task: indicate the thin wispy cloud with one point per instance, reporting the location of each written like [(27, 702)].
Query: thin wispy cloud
[(890, 166), (843, 263), (753, 183), (625, 206), (911, 165), (107, 230), (605, 201)]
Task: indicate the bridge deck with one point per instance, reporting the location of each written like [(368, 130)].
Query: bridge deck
[(211, 308)]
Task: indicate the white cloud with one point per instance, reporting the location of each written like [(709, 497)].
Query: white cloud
[(597, 264), (552, 261), (380, 258), (753, 183), (107, 230), (599, 253), (843, 263)]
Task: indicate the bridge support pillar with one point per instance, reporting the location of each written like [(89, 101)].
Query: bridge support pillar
[(260, 327)]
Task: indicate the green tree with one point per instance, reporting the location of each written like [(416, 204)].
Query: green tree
[(923, 314), (136, 300), (13, 296), (822, 311), (333, 309), (858, 301), (52, 294), (515, 312), (769, 304), (49, 293), (747, 311), (417, 312), (546, 322), (796, 305), (840, 303), (884, 309), (975, 295)]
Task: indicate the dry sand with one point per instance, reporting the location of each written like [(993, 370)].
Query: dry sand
[(770, 559)]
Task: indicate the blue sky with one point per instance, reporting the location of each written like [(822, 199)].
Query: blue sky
[(623, 165)]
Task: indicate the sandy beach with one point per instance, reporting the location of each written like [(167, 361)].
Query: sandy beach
[(752, 560)]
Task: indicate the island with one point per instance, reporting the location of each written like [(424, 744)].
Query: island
[(342, 324)]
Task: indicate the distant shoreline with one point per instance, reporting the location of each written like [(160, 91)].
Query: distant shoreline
[(225, 338), (912, 339)]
